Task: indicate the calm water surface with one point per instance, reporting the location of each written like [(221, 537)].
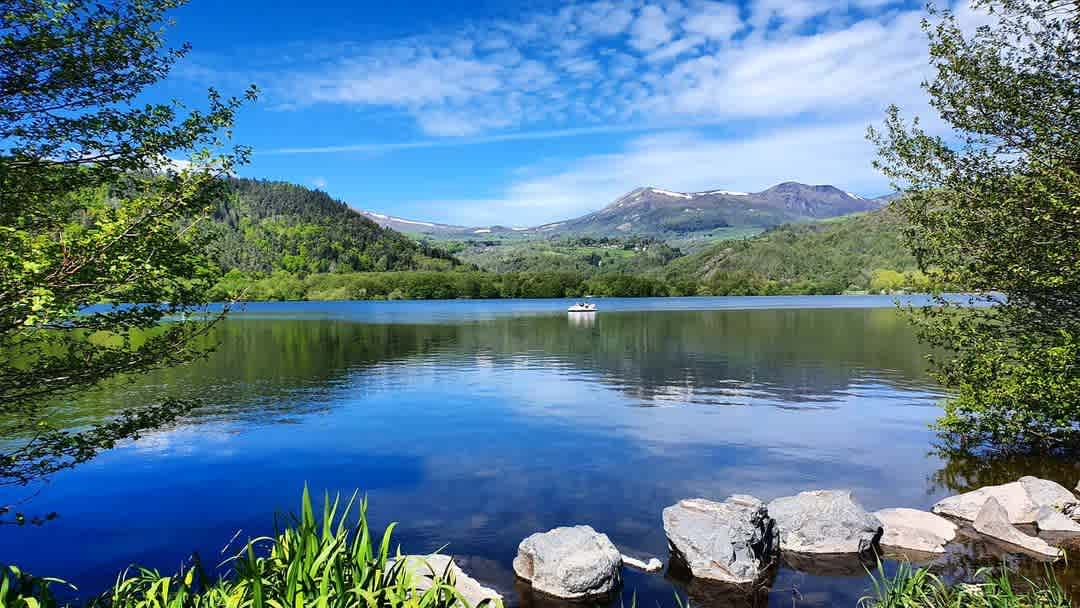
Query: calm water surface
[(475, 424)]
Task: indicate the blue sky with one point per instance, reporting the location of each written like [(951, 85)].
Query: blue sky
[(518, 113)]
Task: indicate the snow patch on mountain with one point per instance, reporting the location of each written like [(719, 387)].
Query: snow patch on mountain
[(670, 193), (725, 192), (390, 218)]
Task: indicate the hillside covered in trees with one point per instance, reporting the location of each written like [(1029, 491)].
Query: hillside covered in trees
[(855, 253), (266, 226), (583, 255)]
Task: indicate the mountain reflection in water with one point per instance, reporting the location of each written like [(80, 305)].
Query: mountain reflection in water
[(476, 424)]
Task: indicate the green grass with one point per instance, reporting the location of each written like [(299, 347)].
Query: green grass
[(313, 562), (994, 588)]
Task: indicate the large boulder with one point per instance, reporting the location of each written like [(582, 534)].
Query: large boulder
[(734, 541), (993, 521), (570, 562), (425, 568), (1021, 500), (914, 530), (824, 521)]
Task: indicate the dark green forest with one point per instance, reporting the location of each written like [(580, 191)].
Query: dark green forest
[(265, 226)]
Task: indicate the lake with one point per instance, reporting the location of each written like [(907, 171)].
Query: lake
[(477, 423)]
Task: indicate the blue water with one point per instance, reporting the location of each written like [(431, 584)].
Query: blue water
[(477, 423)]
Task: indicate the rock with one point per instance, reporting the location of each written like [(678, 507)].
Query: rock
[(993, 521), (569, 562), (650, 565), (915, 530), (824, 521), (1020, 499), (1046, 493), (426, 567), (734, 541), (1049, 520), (1011, 496)]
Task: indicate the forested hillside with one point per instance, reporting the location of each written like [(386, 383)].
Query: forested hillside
[(265, 226), (584, 255), (855, 253)]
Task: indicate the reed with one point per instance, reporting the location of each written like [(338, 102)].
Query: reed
[(912, 587), (311, 562)]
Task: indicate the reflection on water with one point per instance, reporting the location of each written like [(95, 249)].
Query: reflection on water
[(476, 425), (582, 319)]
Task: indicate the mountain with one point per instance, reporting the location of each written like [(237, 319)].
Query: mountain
[(858, 252), (666, 213), (263, 226), (656, 211)]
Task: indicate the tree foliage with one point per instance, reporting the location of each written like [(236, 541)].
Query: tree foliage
[(264, 226), (585, 255), (844, 254), (436, 285), (92, 212), (996, 206)]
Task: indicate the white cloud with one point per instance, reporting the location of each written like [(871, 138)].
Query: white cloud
[(413, 81), (650, 29), (715, 20), (603, 62), (319, 182)]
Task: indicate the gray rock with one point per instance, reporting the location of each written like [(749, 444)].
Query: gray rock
[(650, 565), (824, 521), (1046, 493), (1049, 520), (1013, 497), (734, 541), (426, 567), (569, 562), (915, 530), (1020, 499), (993, 521)]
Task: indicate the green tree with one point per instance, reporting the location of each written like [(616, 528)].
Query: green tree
[(93, 213), (995, 207)]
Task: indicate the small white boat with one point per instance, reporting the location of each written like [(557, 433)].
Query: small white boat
[(582, 307)]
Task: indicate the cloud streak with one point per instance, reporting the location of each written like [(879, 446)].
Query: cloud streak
[(375, 148)]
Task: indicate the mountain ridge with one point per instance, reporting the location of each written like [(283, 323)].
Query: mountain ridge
[(654, 211)]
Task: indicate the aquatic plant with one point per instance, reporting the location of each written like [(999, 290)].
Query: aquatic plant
[(313, 562), (912, 587)]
